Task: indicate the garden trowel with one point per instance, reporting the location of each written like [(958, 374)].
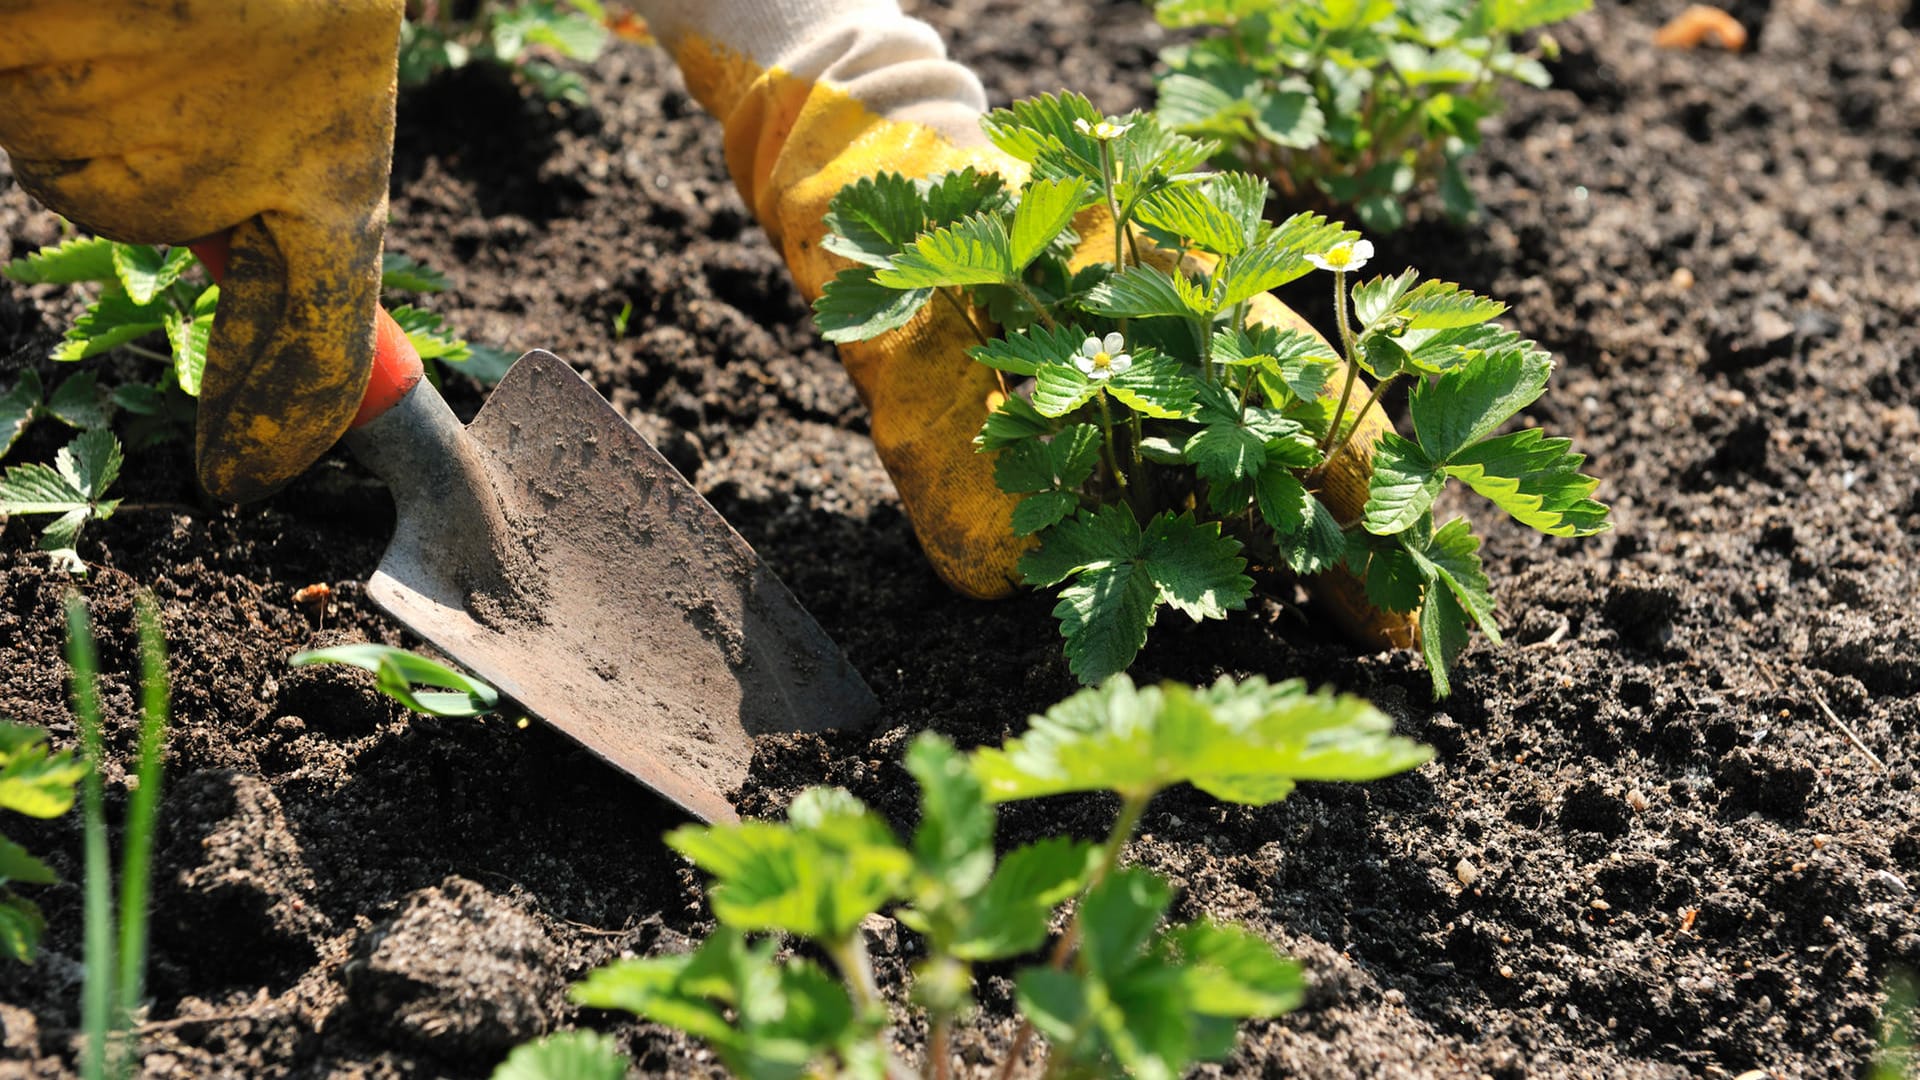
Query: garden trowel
[(551, 550)]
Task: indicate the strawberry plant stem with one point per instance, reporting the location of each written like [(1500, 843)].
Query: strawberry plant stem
[(1123, 826), (1106, 438), (1113, 207), (1379, 389), (1039, 309), (1353, 359)]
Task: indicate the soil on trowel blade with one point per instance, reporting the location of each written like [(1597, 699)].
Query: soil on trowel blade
[(1643, 850)]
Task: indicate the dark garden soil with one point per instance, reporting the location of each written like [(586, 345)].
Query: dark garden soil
[(1644, 850)]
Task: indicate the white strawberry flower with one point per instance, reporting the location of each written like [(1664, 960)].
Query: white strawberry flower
[(1102, 359), (1349, 256), (1104, 130)]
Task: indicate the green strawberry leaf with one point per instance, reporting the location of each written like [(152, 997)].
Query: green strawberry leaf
[(1441, 305), (1374, 300), (1279, 258), (569, 1055), (1046, 208), (402, 274), (21, 925), (81, 259), (1536, 479), (1042, 510), (144, 272), (1452, 558), (1290, 116), (1284, 502), (1024, 352), (1242, 742), (109, 322), (1028, 127), (1443, 637), (953, 844), (1014, 421), (1104, 616), (784, 1018), (425, 333), (972, 251), (1146, 292), (1393, 578), (1011, 915), (73, 488), (1156, 385), (1318, 547), (1232, 972), (17, 408), (187, 337), (1467, 403), (1403, 486), (1223, 215), (77, 402), (855, 307), (874, 218), (17, 864), (958, 194), (833, 864), (33, 780)]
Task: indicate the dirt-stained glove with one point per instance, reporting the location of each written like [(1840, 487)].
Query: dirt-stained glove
[(815, 94), (153, 123)]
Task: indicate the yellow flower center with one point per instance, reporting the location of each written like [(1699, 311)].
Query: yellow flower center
[(1102, 360)]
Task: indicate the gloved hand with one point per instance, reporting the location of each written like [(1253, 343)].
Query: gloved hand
[(167, 123), (816, 94)]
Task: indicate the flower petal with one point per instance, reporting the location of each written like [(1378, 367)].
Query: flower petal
[(1119, 364), (1113, 343), (1085, 364), (1090, 346)]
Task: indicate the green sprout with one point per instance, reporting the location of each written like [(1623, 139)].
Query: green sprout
[(1351, 103), (1158, 436), (1118, 989), (397, 671), (114, 985)]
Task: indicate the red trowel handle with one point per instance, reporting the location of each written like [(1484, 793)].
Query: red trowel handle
[(396, 365)]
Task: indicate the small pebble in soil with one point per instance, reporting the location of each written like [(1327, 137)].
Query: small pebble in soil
[(1466, 872)]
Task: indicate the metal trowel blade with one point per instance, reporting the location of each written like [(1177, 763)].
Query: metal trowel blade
[(617, 605)]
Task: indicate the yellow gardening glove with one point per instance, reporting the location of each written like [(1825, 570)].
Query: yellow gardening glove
[(167, 123)]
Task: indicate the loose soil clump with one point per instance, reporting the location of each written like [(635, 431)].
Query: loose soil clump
[(1645, 849)]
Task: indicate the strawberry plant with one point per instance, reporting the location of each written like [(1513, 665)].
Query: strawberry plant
[(1117, 989), (38, 783), (1156, 434), (524, 37), (73, 487), (1351, 103), (145, 291)]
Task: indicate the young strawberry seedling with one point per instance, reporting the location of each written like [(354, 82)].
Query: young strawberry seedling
[(38, 783), (1351, 103), (146, 292), (524, 37), (1157, 435), (1117, 989)]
